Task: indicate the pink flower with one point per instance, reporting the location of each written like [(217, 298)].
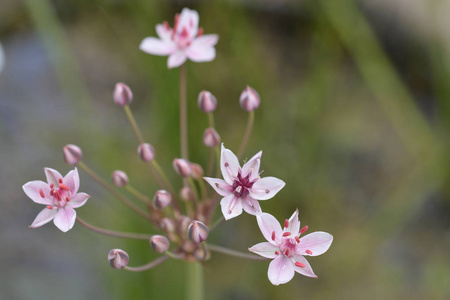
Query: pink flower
[(184, 40), (242, 187), (287, 249), (61, 197)]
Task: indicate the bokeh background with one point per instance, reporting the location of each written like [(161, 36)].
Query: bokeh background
[(355, 118)]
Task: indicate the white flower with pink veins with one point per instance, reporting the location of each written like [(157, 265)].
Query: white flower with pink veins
[(185, 40), (242, 187), (60, 195)]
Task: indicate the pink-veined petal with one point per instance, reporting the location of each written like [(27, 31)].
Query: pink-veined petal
[(307, 270), (176, 59), (52, 176), (265, 249), (251, 206), (32, 190), (164, 32), (317, 242), (281, 270), (189, 20), (200, 53), (156, 46), (253, 166), (268, 224), (229, 165), (65, 218), (206, 40), (72, 181), (227, 202), (294, 223), (78, 200), (266, 188), (220, 186), (45, 216)]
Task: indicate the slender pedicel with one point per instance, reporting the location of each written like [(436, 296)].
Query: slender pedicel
[(127, 235), (233, 252), (147, 266), (183, 113), (248, 130)]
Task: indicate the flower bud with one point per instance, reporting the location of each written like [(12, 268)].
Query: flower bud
[(159, 243), (162, 199), (146, 152), (119, 178), (72, 154), (118, 259), (207, 102), (211, 138), (122, 94), (183, 223), (167, 225), (197, 231), (249, 99), (182, 167), (200, 253), (197, 171), (186, 194)]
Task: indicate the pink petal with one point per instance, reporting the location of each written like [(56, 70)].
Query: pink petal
[(45, 216), (253, 166), (229, 165), (317, 242), (164, 32), (189, 20), (225, 204), (79, 200), (200, 53), (265, 250), (53, 176), (307, 270), (220, 186), (176, 59), (268, 224), (294, 223), (32, 190), (156, 46), (251, 206), (281, 270), (65, 218), (72, 181), (266, 188), (206, 40)]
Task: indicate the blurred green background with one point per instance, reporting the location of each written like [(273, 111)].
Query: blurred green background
[(354, 118)]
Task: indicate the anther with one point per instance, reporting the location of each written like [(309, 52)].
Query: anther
[(51, 193), (267, 191), (308, 252), (286, 223), (297, 239), (286, 234), (64, 187), (299, 264), (50, 207), (217, 185), (52, 185), (303, 229), (67, 199), (60, 180), (226, 165), (58, 196), (277, 253), (287, 252), (41, 192), (273, 235)]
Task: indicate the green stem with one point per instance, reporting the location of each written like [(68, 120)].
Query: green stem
[(234, 252), (194, 281), (248, 130), (138, 195), (183, 113), (147, 266), (127, 235), (133, 123)]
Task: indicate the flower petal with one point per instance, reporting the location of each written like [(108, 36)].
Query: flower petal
[(265, 249), (72, 181), (281, 270), (317, 242), (251, 206), (307, 270), (229, 165), (294, 223), (164, 32), (266, 188), (45, 216), (65, 218), (156, 46), (189, 20), (79, 200), (227, 202), (176, 59), (53, 176), (268, 224), (220, 186), (32, 190), (199, 53), (253, 166)]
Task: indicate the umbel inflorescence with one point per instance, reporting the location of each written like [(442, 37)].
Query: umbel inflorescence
[(183, 215)]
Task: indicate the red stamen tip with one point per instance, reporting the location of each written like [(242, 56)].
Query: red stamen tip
[(299, 264), (67, 199), (60, 180), (287, 252), (297, 239), (64, 187), (41, 192), (50, 207), (200, 32), (277, 253), (58, 196), (166, 25), (52, 185), (286, 234), (51, 193), (303, 229), (286, 223), (273, 235), (308, 252)]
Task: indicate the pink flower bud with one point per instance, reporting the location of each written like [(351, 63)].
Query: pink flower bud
[(182, 167), (118, 259), (167, 225), (211, 138), (249, 99), (119, 178), (186, 194), (159, 243), (198, 232), (122, 94), (162, 199), (146, 152), (207, 102), (72, 154), (183, 223), (197, 171)]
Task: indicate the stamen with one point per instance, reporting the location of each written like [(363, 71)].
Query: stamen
[(60, 180), (217, 185), (41, 192), (166, 25), (286, 223), (67, 199), (286, 234), (308, 252), (50, 207), (287, 252), (267, 191), (273, 235), (233, 202), (297, 239), (58, 196), (51, 192), (64, 187), (299, 264), (277, 253), (52, 185), (226, 165), (303, 229)]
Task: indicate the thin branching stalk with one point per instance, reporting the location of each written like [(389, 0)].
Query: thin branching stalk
[(138, 194), (127, 235), (248, 130), (147, 266), (183, 113), (234, 252)]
